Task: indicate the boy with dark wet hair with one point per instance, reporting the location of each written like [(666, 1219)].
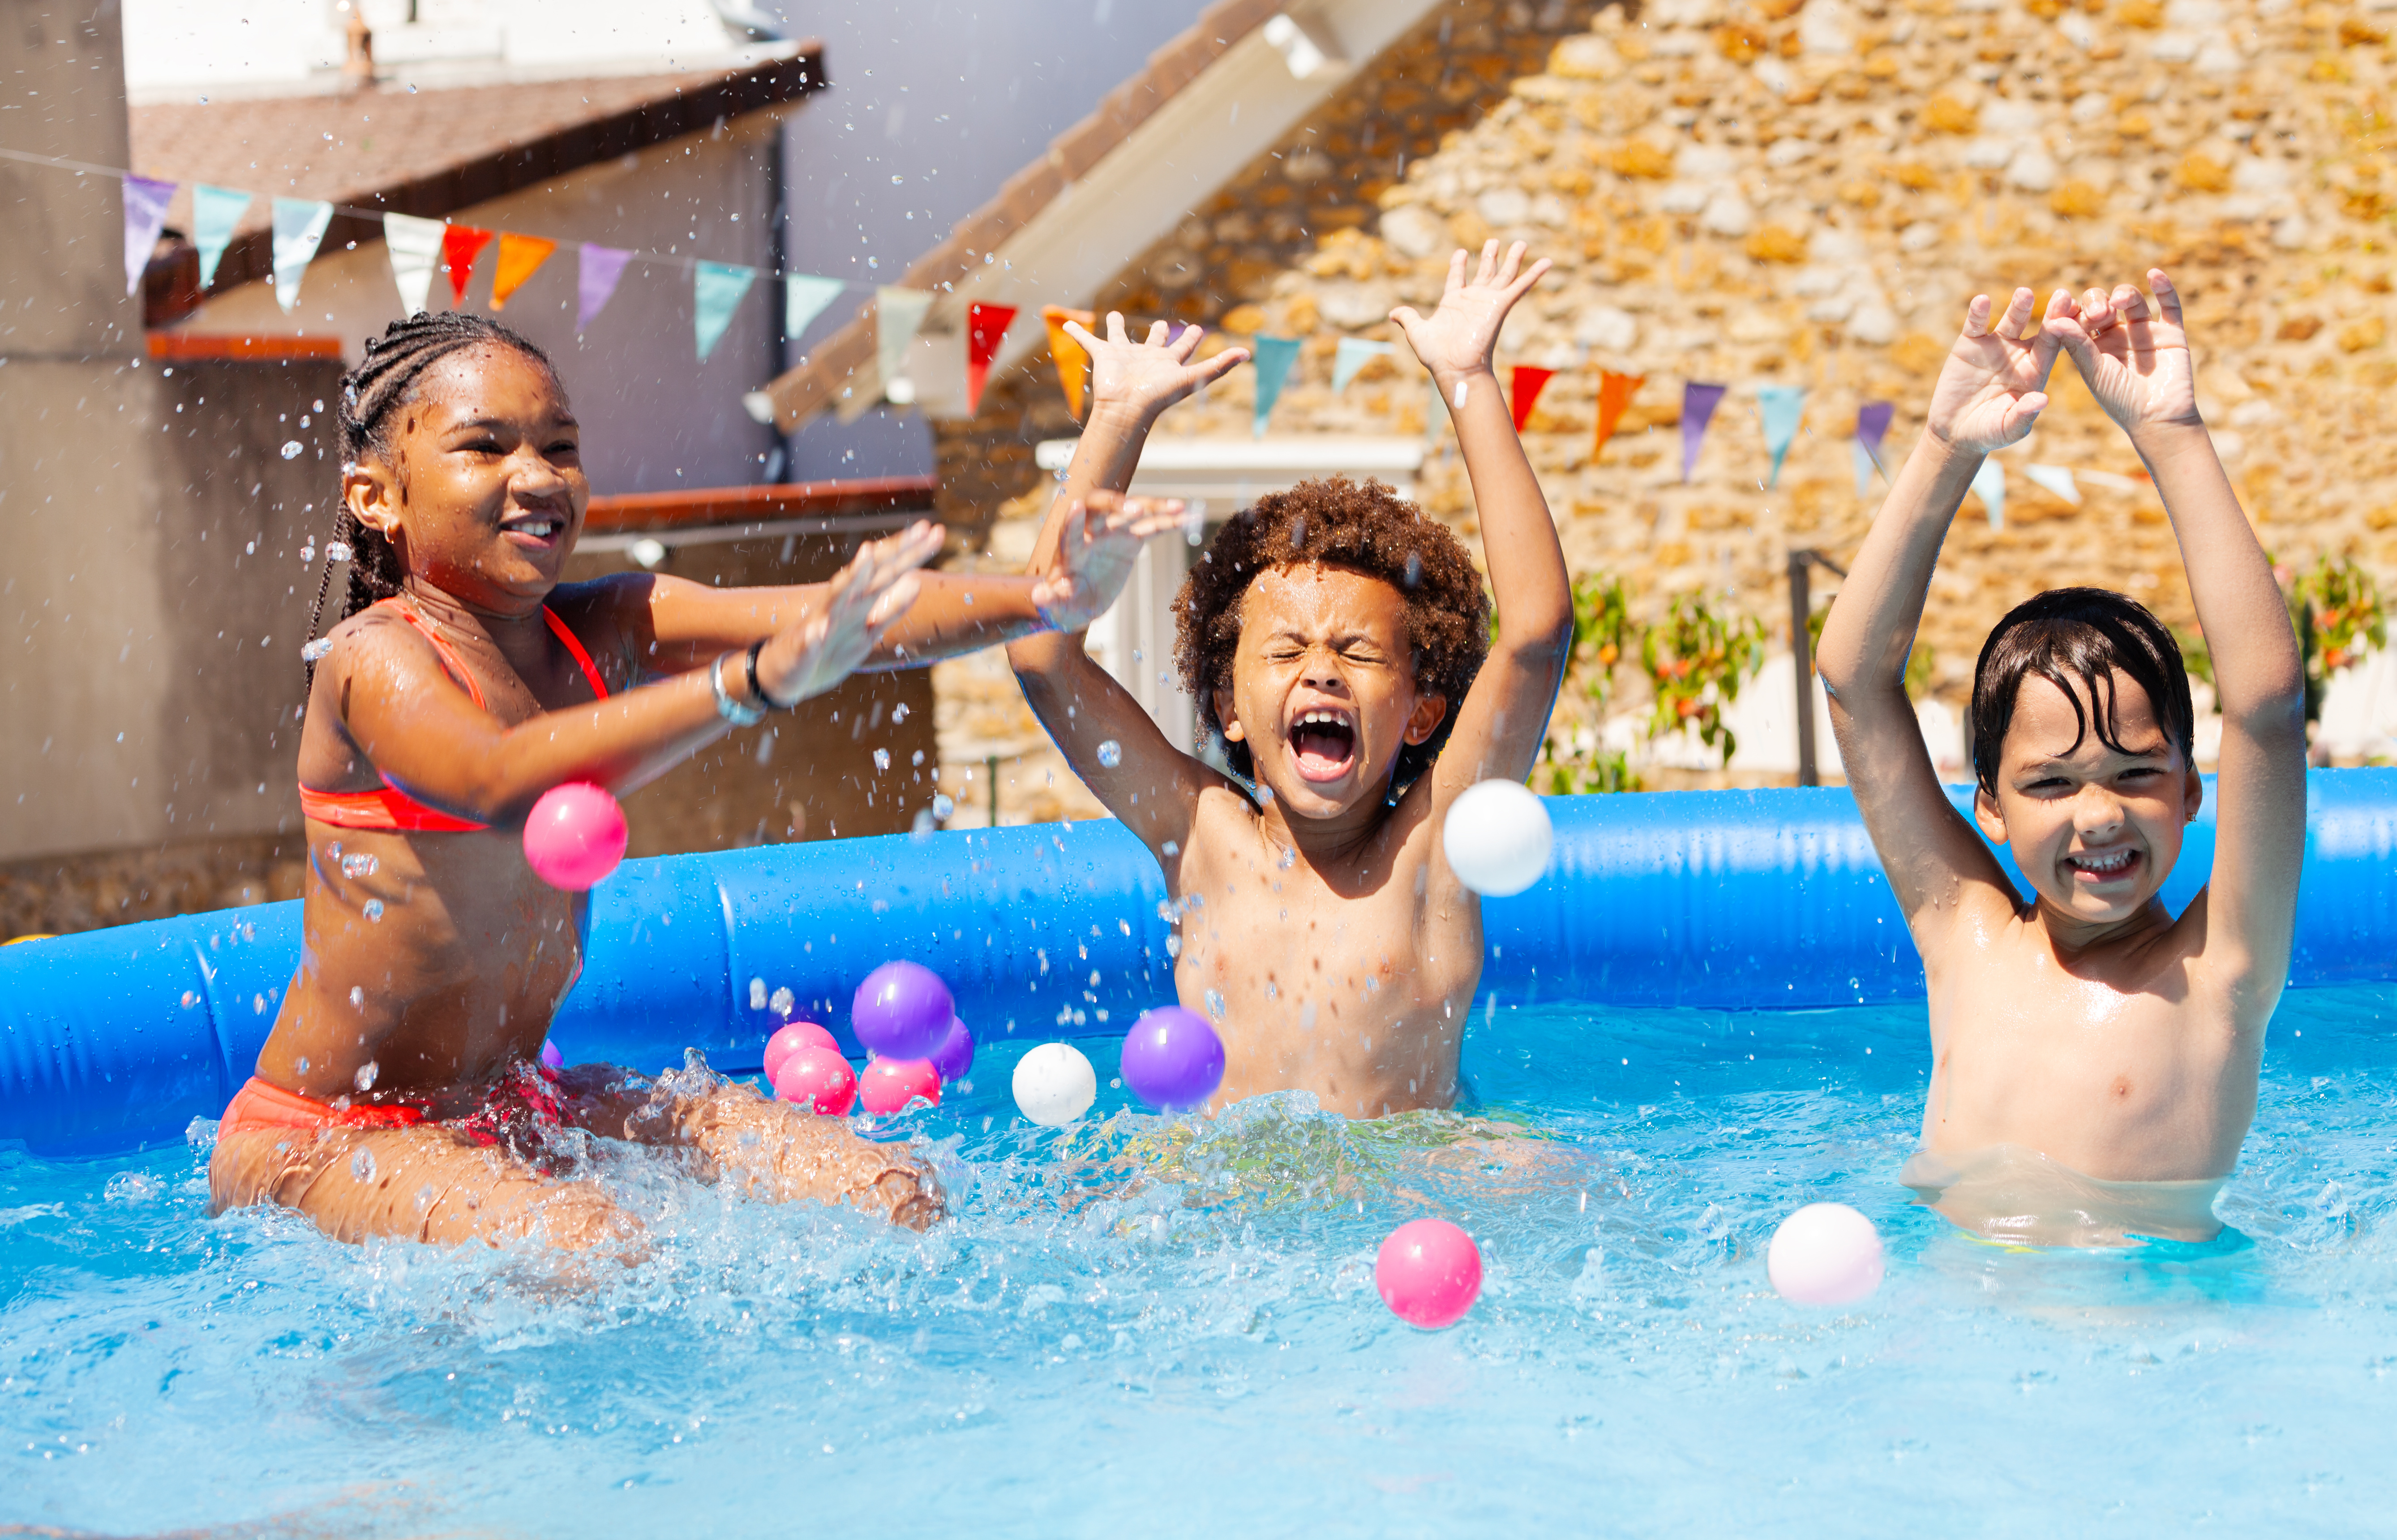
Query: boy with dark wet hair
[(2093, 1057), (1339, 641)]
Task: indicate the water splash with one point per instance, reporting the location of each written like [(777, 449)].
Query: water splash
[(1110, 753), (292, 449)]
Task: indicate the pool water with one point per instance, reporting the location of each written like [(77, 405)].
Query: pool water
[(1135, 1327)]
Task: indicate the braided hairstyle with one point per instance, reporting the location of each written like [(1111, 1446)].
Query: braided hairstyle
[(384, 378)]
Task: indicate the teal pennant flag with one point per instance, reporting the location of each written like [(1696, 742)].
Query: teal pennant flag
[(716, 289), (1781, 406), (1274, 357), (215, 211)]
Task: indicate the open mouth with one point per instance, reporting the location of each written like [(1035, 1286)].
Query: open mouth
[(2102, 867), (540, 531), (1324, 743)]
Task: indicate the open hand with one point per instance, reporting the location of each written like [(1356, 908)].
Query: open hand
[(1101, 540), (1460, 337), (1994, 385), (2135, 356), (1144, 378), (859, 604)]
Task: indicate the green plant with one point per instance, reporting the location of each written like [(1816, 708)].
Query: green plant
[(2196, 656), (1594, 770), (1918, 663), (2337, 610), (1695, 661)]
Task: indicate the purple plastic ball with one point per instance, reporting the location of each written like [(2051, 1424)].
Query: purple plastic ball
[(1172, 1059), (551, 1056), (901, 1011), (953, 1055)]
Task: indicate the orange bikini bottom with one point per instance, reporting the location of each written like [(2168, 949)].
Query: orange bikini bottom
[(260, 1105)]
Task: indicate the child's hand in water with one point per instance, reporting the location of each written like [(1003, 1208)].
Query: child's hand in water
[(1994, 385), (859, 603), (1142, 378), (2135, 356), (1458, 338), (1095, 552)]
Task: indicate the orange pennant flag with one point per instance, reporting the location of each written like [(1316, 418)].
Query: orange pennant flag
[(460, 245), (1072, 364), (1527, 383), (1614, 394), (520, 257), (986, 326)]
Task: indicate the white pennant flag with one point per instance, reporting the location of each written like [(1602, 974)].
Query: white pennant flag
[(300, 226), (1990, 482), (898, 312), (2054, 478), (415, 247)]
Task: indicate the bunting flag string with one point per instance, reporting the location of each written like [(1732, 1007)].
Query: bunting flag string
[(1353, 353), (461, 244), (1698, 404), (716, 289), (985, 327), (1872, 425), (897, 316), (1614, 394), (2054, 478), (520, 258), (1781, 409), (1524, 383), (1990, 481), (594, 282), (804, 298), (215, 211), (415, 248), (145, 216), (1273, 358), (1073, 363), (299, 228)]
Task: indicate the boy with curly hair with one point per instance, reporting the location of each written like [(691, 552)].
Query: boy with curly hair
[(1339, 641)]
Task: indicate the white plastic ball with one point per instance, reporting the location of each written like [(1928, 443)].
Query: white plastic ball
[(1498, 837), (1826, 1254), (1054, 1084)]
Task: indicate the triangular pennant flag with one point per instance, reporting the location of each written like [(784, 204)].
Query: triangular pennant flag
[(897, 316), (145, 215), (1353, 353), (1524, 386), (1872, 425), (520, 258), (1698, 404), (716, 289), (461, 244), (1274, 357), (596, 281), (1614, 394), (1781, 408), (415, 247), (1434, 414), (215, 210), (2056, 479), (985, 327), (1073, 363), (804, 298), (300, 225), (1990, 482)]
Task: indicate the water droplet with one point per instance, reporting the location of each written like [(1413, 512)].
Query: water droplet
[(191, 998), (899, 713), (756, 994), (362, 1165), (780, 1001), (943, 807), (308, 552), (374, 910), (882, 759), (365, 1078), (358, 865), (1307, 1016), (290, 449), (1415, 569), (1110, 753), (1173, 946), (314, 651), (1173, 847), (302, 1063), (1215, 1004), (1273, 990), (1265, 794), (1289, 858), (337, 549), (358, 996)]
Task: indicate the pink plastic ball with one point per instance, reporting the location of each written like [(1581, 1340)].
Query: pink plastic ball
[(889, 1085), (575, 836), (818, 1077), (1429, 1273), (1826, 1254), (788, 1040)]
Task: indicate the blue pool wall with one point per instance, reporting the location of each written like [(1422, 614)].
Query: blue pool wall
[(1758, 900)]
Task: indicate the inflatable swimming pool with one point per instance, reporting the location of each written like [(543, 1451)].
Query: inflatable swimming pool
[(1768, 900)]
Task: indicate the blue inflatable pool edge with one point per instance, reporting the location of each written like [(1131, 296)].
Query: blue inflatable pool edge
[(116, 1038)]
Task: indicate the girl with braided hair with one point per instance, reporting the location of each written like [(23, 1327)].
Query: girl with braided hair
[(398, 1093)]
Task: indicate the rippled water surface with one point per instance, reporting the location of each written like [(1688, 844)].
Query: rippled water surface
[(1138, 1327)]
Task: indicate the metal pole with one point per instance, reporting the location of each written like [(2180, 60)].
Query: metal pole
[(1802, 610), (990, 768)]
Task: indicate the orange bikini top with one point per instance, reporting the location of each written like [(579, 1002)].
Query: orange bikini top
[(387, 807)]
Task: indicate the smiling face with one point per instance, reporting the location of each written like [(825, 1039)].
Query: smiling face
[(1323, 688), (2095, 829), (482, 491)]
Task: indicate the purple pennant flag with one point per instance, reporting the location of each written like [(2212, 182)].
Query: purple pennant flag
[(145, 215), (602, 266), (1698, 404), (1872, 425)]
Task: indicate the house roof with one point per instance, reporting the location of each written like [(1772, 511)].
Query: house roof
[(432, 152)]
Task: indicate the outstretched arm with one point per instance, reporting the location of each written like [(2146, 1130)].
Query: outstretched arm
[(2137, 359), (1501, 721), (1989, 395)]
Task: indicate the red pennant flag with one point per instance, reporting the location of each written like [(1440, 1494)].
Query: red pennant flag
[(460, 245), (984, 325), (1526, 384), (1614, 394)]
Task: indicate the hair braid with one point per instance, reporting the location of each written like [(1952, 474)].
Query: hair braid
[(385, 378)]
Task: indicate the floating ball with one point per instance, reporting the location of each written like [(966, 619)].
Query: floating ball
[(820, 1077), (1429, 1273), (1826, 1254), (788, 1040), (889, 1085), (1172, 1059), (575, 836), (1497, 837), (1054, 1084), (953, 1055), (901, 1009), (550, 1056)]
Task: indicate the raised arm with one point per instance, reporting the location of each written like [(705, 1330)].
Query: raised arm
[(2136, 356), (1501, 720), (1990, 394)]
